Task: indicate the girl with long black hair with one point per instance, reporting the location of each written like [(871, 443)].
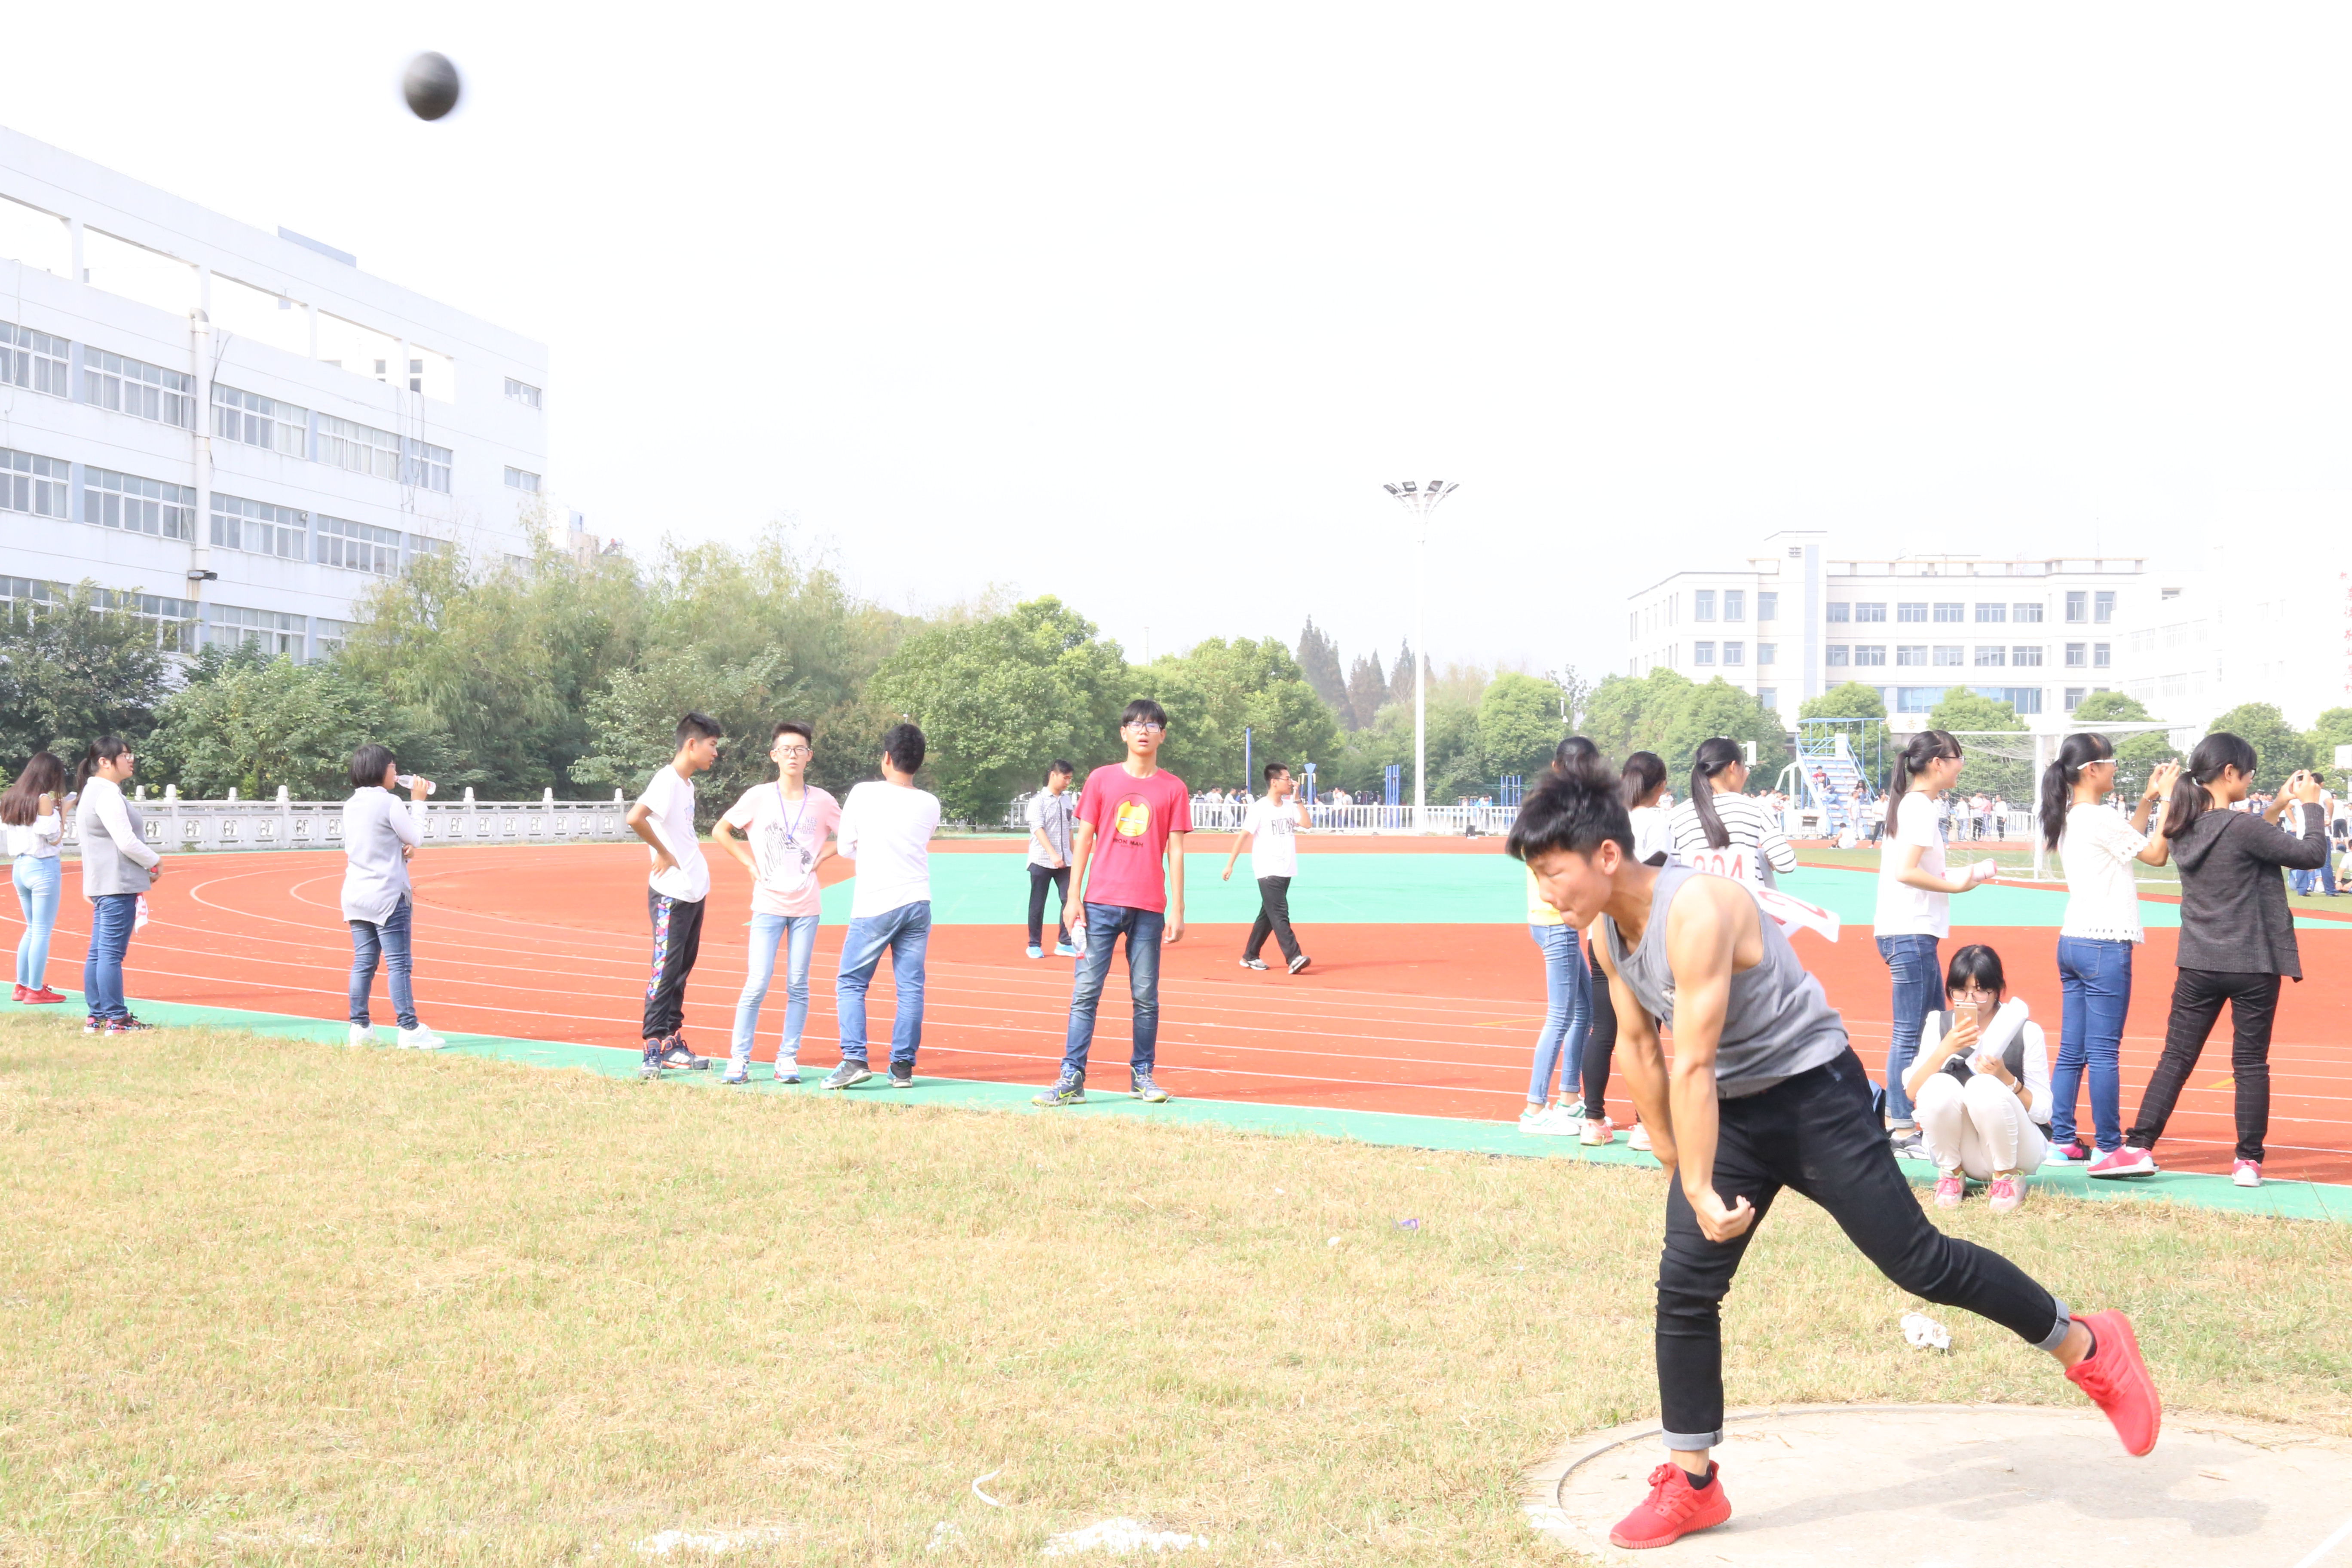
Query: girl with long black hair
[(1717, 815), (1567, 995), (1639, 784), (33, 812), (2237, 939), (2098, 849), (117, 867)]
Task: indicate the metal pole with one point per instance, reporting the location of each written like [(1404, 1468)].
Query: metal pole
[(1421, 501), (1248, 763)]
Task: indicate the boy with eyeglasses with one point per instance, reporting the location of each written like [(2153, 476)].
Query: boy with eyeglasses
[(1127, 869), (787, 822)]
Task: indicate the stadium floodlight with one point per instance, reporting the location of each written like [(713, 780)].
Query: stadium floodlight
[(1420, 503)]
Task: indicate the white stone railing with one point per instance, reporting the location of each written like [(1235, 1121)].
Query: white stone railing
[(286, 823)]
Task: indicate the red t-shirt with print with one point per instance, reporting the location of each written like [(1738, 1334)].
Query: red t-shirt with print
[(1132, 818)]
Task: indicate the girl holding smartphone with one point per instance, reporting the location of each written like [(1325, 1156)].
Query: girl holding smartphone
[(1981, 1090)]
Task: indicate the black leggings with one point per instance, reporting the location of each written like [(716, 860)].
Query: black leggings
[(1600, 1039), (2197, 998)]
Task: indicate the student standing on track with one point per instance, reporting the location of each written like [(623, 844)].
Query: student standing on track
[(674, 890), (1565, 1039), (786, 822), (1269, 831), (1764, 1093), (1718, 816), (2102, 926), (379, 835), (2237, 938), (117, 868), (36, 821), (1051, 815), (1913, 912), (886, 828), (1132, 816)]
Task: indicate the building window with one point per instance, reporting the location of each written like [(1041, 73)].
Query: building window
[(2024, 699), (1991, 657), (174, 620), (1735, 652), (1870, 653), (1702, 653), (1839, 654), (1735, 605), (1950, 615), (36, 485), (1767, 698), (422, 544), (258, 527), (1841, 612), (1768, 606), (1703, 604), (34, 361), (1870, 611), (1768, 653), (1911, 654), (255, 421), (2025, 657), (2078, 605), (2103, 606), (271, 631), (522, 392), (362, 448), (1991, 614), (326, 637), (2074, 698), (2076, 655), (524, 479), (2030, 615), (134, 387), (2100, 657), (141, 506), (1948, 655), (1916, 614), (359, 547), (22, 598), (428, 467), (1917, 699)]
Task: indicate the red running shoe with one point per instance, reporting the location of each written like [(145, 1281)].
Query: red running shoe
[(2116, 1379), (21, 993), (42, 995), (1673, 1508)]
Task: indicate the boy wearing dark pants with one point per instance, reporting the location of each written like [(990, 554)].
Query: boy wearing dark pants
[(1051, 818), (664, 817), (1269, 833), (1132, 815), (886, 828)]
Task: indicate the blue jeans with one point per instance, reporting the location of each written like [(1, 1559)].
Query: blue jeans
[(906, 931), (37, 878), (1568, 998), (2096, 979), (111, 916), (767, 931), (1918, 991), (1105, 924), (2304, 882), (387, 940)]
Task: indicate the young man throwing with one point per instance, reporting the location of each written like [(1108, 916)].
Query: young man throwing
[(1132, 816), (786, 822), (664, 817), (1764, 1093), (886, 828), (1051, 818), (1270, 834)]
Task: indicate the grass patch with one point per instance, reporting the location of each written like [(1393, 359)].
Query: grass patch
[(268, 1301)]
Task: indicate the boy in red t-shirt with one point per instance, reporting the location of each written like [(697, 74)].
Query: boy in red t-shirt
[(1131, 817)]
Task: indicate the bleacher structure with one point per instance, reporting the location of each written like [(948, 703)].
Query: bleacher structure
[(1833, 757)]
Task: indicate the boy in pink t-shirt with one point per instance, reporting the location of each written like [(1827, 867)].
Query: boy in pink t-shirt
[(786, 823), (1132, 820)]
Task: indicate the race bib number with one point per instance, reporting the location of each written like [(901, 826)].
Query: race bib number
[(1738, 862)]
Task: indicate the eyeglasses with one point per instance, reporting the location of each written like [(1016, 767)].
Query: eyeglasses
[(797, 750), (1145, 724)]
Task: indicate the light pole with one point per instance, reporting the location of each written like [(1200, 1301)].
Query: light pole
[(1420, 501)]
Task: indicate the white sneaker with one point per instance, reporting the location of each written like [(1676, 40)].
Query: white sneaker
[(360, 1036), (1640, 1139), (420, 1039), (1550, 1121)]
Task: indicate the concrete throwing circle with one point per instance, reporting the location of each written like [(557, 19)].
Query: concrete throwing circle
[(1971, 1486)]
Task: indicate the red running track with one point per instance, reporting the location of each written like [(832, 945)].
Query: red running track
[(551, 944)]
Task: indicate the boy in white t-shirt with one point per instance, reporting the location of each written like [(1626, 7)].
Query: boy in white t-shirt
[(1269, 831), (886, 828), (787, 823), (664, 817), (1053, 816)]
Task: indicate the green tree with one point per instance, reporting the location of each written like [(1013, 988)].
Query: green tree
[(1636, 713), (1401, 678), (1368, 691), (2333, 729), (1853, 700), (2109, 708), (1518, 725), (1215, 689), (1319, 661), (1720, 708), (632, 723), (73, 670), (2280, 749), (255, 724)]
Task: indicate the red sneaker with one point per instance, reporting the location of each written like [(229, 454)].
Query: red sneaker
[(1673, 1508), (43, 995), (2116, 1379), (21, 993)]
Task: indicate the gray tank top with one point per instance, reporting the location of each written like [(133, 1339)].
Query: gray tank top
[(1777, 1022)]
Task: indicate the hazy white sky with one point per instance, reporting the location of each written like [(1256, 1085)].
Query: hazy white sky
[(1140, 308)]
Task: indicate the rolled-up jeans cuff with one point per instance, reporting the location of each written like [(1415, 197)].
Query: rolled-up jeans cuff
[(2058, 1333), (1692, 1442)]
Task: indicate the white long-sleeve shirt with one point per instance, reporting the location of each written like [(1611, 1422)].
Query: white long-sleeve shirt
[(376, 827), (38, 837)]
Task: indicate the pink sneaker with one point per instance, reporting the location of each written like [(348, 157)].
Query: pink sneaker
[(1948, 1188), (2007, 1193), (1596, 1133), (2125, 1162), (2247, 1172)]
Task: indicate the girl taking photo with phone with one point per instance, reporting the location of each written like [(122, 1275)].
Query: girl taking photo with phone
[(1980, 1084)]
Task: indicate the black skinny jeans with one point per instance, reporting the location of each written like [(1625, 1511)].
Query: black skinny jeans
[(1273, 920), (2197, 998), (1040, 879), (1815, 1133), (1601, 1040)]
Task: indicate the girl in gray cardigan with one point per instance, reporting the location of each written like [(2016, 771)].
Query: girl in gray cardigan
[(117, 867)]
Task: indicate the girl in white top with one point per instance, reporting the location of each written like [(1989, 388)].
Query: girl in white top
[(36, 822), (1718, 816), (379, 835), (2098, 849), (1981, 1083)]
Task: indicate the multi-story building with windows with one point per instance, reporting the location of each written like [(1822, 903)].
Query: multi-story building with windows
[(1800, 617), (236, 433)]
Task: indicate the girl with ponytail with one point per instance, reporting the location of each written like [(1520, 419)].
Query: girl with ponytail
[(1914, 910), (1639, 785), (117, 867), (2098, 849), (1568, 986), (1718, 816), (2237, 939)]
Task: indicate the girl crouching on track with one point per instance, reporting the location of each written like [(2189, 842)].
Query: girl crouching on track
[(1980, 1085)]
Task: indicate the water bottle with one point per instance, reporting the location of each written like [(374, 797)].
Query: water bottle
[(408, 780)]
